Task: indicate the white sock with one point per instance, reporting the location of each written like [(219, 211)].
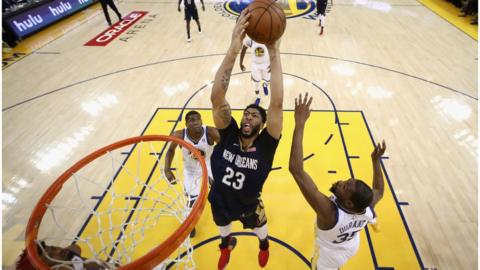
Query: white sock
[(261, 232), (225, 230)]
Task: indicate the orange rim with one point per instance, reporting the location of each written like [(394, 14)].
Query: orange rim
[(155, 256)]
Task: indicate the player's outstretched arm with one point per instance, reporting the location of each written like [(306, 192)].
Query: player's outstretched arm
[(378, 182), (275, 110), (169, 157), (222, 113), (318, 201), (179, 3)]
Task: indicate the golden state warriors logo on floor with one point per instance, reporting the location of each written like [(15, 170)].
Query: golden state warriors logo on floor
[(292, 8)]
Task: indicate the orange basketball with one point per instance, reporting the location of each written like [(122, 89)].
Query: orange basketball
[(267, 21)]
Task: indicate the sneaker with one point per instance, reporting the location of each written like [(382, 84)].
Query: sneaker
[(265, 88), (225, 253), (200, 31), (189, 39), (263, 257), (192, 233)]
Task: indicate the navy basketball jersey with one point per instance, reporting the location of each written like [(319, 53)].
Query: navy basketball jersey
[(239, 175)]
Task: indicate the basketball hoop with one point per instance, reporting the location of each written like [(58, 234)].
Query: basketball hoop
[(137, 204)]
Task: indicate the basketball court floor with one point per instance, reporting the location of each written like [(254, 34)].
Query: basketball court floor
[(386, 69)]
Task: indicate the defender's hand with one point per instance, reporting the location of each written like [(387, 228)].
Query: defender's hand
[(302, 109), (378, 151)]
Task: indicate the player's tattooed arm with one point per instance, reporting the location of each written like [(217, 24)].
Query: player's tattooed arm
[(221, 109), (220, 106), (226, 79), (222, 116)]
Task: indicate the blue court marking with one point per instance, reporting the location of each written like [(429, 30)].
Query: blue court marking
[(96, 198), (370, 246), (403, 203), (125, 153), (308, 157), (417, 254), (332, 172), (385, 268), (274, 239), (328, 140)]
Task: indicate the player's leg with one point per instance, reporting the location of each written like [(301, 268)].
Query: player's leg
[(105, 11), (191, 201), (191, 185), (257, 221), (224, 225), (195, 17), (114, 8), (321, 9), (256, 78), (266, 79), (188, 17)]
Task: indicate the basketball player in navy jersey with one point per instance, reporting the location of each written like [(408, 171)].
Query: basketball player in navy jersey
[(201, 137), (191, 12), (243, 159), (341, 217)]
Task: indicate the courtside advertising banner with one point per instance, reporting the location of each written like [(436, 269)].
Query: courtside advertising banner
[(32, 20)]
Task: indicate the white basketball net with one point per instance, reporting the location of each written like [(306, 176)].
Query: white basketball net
[(118, 207)]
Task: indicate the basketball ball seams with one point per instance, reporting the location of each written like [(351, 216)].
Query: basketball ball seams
[(271, 25), (259, 18), (282, 18), (261, 28)]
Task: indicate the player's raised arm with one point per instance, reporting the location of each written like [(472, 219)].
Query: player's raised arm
[(222, 113), (318, 201), (378, 182), (275, 110)]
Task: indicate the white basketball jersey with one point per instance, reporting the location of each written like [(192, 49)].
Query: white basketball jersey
[(259, 52), (190, 164), (345, 235)]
